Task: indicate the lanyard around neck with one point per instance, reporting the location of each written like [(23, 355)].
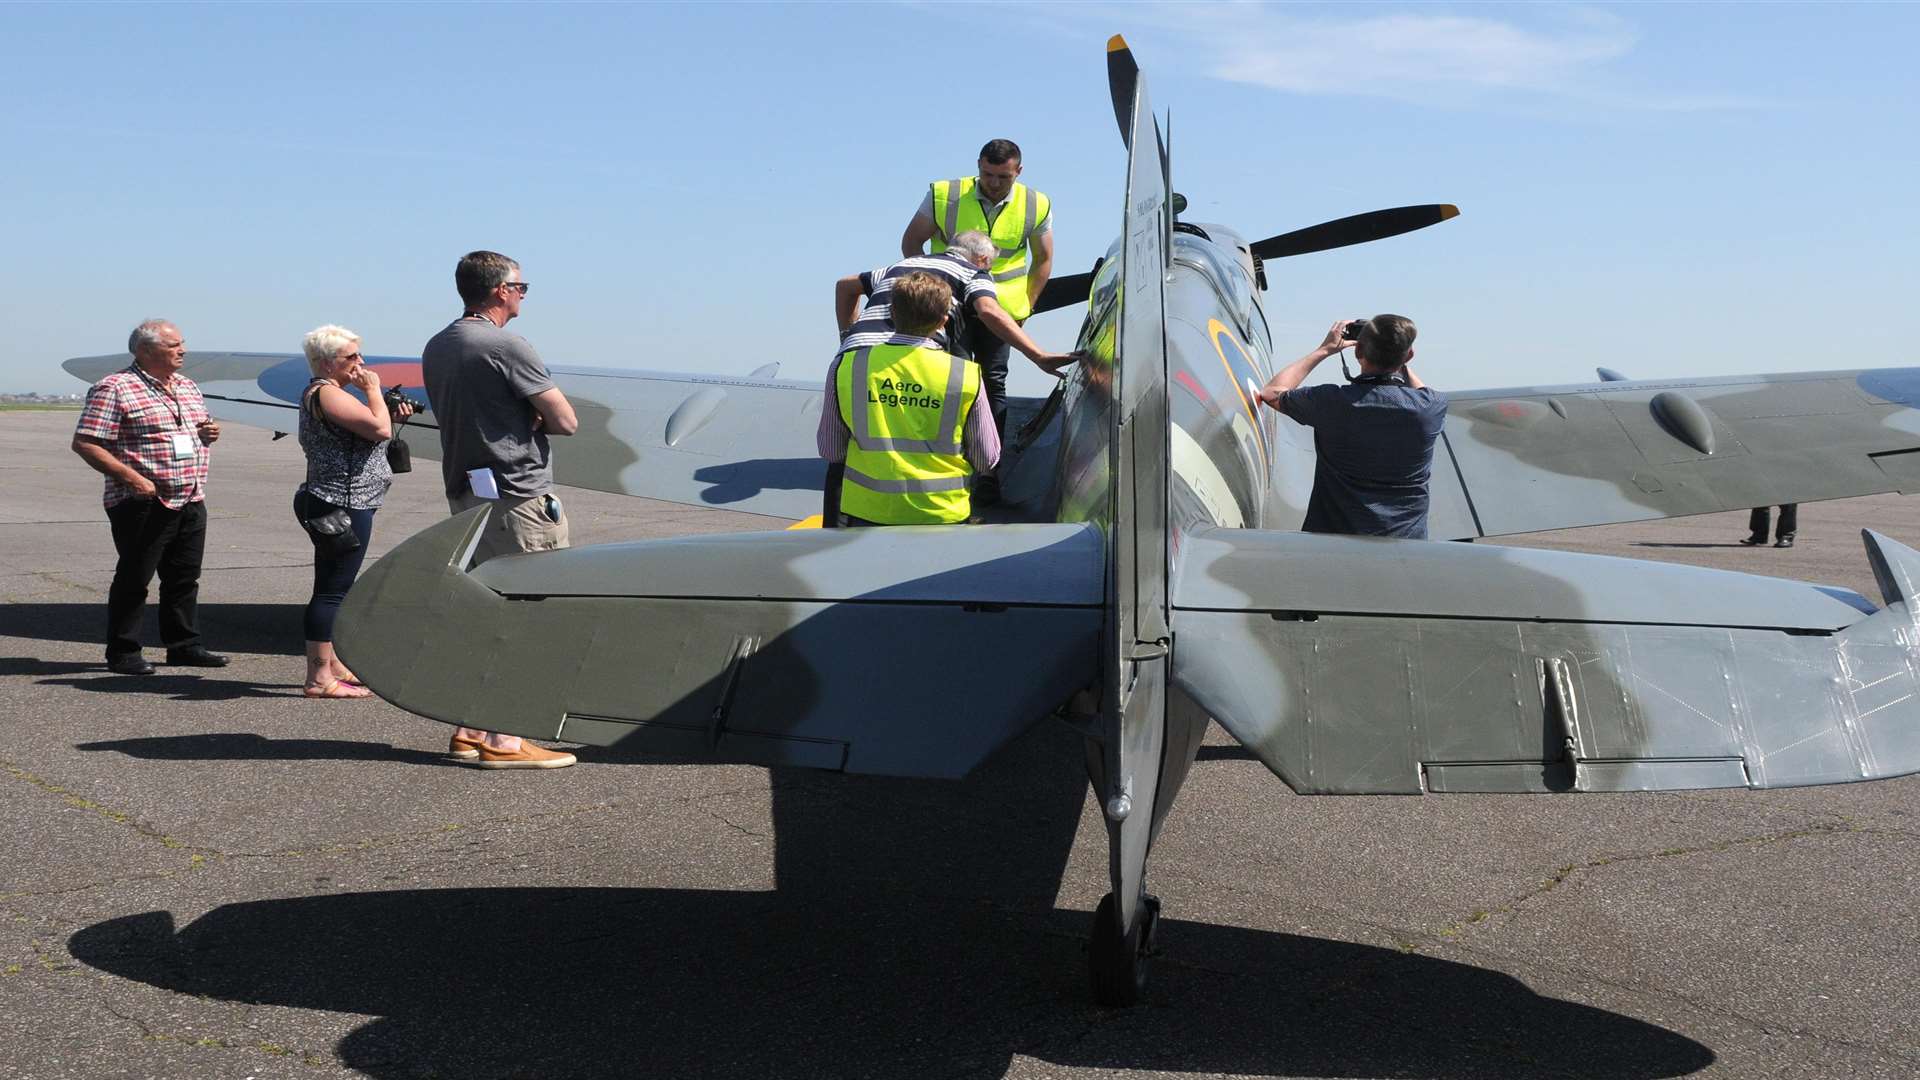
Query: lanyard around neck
[(173, 403)]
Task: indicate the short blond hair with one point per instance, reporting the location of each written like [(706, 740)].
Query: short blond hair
[(920, 301), (323, 344)]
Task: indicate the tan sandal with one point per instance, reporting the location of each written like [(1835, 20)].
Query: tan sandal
[(338, 690)]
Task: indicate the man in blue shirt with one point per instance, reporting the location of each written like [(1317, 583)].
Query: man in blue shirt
[(1373, 437)]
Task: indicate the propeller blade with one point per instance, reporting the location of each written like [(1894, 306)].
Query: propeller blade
[(1358, 229), (1061, 291), (1122, 76)]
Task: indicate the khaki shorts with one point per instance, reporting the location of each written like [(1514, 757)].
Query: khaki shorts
[(515, 526)]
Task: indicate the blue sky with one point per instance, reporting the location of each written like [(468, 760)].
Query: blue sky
[(1667, 189)]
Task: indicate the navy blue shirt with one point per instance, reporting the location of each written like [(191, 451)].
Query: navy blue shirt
[(1374, 441)]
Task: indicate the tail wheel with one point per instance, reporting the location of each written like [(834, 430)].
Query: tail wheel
[(1117, 957)]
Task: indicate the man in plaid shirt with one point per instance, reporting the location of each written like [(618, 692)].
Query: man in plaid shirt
[(146, 429)]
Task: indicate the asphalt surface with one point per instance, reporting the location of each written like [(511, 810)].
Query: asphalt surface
[(209, 876)]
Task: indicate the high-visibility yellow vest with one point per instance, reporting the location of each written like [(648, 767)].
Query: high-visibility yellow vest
[(906, 407), (955, 211)]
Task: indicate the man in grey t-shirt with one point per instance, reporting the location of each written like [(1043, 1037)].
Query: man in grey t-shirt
[(496, 405)]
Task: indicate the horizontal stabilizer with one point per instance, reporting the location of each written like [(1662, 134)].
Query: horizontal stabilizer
[(892, 651), (1353, 665)]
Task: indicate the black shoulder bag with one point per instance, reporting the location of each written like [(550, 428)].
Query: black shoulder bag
[(399, 454), (331, 532)]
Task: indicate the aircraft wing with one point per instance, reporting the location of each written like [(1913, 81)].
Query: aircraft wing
[(1367, 665), (1514, 461), (731, 443), (827, 648)]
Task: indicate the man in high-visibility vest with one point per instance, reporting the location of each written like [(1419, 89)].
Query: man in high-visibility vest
[(1019, 220), (901, 415)]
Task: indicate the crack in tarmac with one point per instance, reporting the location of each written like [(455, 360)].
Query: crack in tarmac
[(1566, 871), (81, 802), (724, 820), (201, 858)]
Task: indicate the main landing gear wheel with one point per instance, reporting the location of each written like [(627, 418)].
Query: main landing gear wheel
[(1117, 958)]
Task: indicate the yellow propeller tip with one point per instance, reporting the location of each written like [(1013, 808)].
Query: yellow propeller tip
[(1116, 43), (1448, 210)]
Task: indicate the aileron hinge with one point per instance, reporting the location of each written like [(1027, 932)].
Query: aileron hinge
[(1148, 650), (1556, 689), (729, 683)]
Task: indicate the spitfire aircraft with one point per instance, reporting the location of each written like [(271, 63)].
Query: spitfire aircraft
[(1147, 576)]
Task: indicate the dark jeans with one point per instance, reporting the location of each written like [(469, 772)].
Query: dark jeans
[(332, 574), (991, 354), (1789, 520), (151, 538)]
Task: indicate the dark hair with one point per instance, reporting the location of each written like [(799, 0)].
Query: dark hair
[(479, 273), (920, 301), (1000, 151), (1386, 336)]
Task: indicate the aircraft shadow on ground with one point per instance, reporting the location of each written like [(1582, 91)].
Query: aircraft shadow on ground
[(254, 628), (912, 932), (245, 746)]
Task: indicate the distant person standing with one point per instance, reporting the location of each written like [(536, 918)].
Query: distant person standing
[(146, 429), (496, 405), (1761, 517), (1019, 220)]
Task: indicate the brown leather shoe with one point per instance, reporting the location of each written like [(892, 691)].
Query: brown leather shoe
[(464, 749), (528, 756)]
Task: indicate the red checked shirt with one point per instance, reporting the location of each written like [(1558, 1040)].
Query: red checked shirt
[(144, 426)]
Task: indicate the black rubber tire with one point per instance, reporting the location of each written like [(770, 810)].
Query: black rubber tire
[(1116, 958)]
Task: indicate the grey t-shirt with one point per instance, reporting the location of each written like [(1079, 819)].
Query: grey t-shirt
[(478, 379)]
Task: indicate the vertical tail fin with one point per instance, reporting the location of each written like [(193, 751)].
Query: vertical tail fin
[(1125, 764)]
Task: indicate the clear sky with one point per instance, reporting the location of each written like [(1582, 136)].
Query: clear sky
[(1667, 189)]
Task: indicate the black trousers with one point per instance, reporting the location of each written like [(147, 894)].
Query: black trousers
[(1789, 520), (991, 354), (332, 574), (151, 538)]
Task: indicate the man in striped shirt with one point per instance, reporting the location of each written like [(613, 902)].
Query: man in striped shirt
[(964, 268), (146, 429)]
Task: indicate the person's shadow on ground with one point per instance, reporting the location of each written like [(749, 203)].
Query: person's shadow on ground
[(246, 746)]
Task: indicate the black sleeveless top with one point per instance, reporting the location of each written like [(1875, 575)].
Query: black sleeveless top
[(342, 468)]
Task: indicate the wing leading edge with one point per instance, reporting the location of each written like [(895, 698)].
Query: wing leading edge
[(1514, 461), (1385, 666)]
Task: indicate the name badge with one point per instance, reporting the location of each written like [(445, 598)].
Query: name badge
[(184, 445)]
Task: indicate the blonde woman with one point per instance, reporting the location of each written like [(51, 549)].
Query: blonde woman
[(345, 441)]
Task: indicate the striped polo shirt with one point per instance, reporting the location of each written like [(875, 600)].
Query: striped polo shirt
[(875, 325)]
